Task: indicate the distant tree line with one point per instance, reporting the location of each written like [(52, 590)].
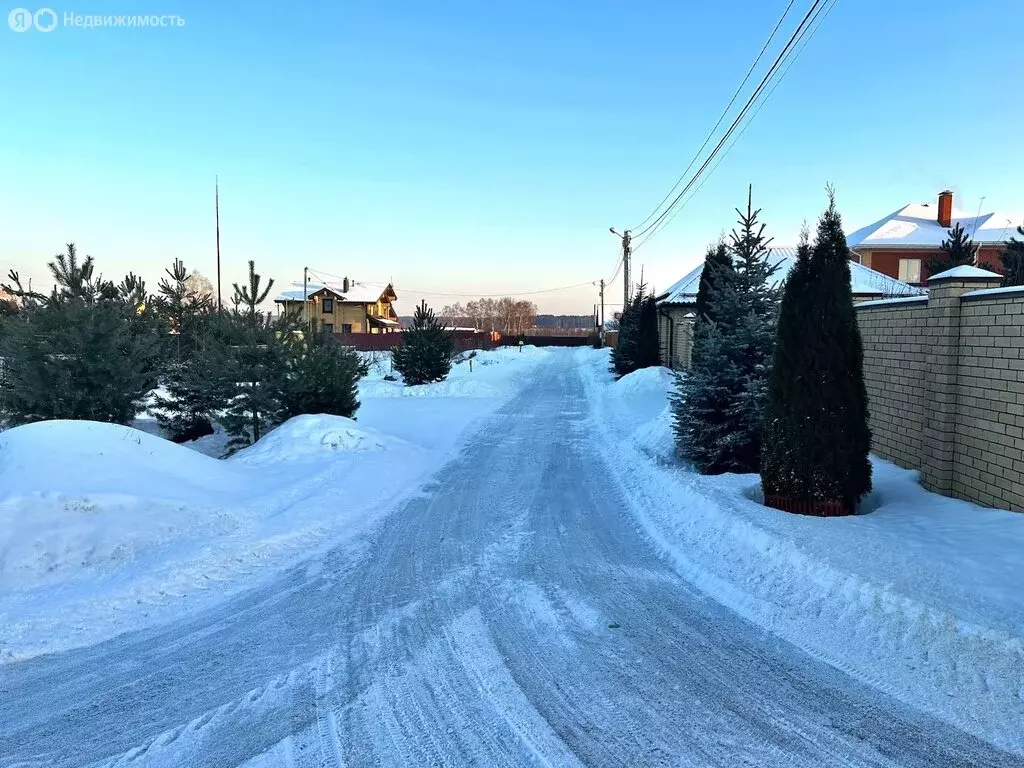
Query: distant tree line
[(507, 315)]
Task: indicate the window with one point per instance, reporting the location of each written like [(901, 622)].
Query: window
[(328, 327), (346, 328), (910, 270), (328, 306)]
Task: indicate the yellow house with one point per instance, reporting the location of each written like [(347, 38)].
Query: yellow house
[(344, 307)]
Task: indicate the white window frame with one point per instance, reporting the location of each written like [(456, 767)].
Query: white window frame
[(905, 272)]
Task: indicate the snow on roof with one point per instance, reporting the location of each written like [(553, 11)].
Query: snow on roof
[(916, 226), (965, 271), (358, 293), (863, 280)]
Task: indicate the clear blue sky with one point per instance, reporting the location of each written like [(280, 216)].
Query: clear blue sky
[(469, 146)]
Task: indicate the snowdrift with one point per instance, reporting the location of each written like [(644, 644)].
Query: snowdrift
[(314, 437), (921, 597), (86, 457), (105, 528)]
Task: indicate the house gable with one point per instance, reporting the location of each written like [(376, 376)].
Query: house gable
[(361, 309)]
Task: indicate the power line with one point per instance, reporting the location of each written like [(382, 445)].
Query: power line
[(797, 35), (439, 294), (806, 39), (739, 117), (721, 117)]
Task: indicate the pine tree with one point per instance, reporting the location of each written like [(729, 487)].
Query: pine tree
[(719, 404), (77, 280), (247, 298), (252, 382), (323, 378), (1013, 260), (816, 431), (195, 392), (957, 251), (80, 353), (184, 309), (425, 354), (132, 292), (74, 360), (186, 411)]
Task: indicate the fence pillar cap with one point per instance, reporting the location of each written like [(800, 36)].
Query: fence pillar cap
[(965, 272)]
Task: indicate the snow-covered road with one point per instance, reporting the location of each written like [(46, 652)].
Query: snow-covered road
[(511, 614)]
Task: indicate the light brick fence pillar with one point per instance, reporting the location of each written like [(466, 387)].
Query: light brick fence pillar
[(944, 292)]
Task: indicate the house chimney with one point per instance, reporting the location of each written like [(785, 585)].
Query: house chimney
[(945, 209), (344, 285)]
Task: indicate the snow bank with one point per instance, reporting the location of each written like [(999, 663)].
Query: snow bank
[(105, 528), (311, 437), (921, 597), (85, 457)]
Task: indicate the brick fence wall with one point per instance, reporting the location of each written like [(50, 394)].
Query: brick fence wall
[(945, 381), (896, 338)]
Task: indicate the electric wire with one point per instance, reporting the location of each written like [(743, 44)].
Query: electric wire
[(804, 42), (721, 117), (773, 70)]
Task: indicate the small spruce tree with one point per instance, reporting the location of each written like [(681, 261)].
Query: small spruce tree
[(1013, 260), (718, 268), (426, 352), (718, 406), (638, 345), (716, 260), (626, 350), (957, 251), (816, 431)]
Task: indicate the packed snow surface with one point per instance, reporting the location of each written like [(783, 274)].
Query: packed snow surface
[(105, 528), (920, 595), (553, 595)]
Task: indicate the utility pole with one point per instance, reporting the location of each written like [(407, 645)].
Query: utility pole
[(305, 298), (627, 252), (601, 332), (216, 213)]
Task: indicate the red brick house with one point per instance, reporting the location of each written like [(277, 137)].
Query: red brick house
[(901, 244)]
